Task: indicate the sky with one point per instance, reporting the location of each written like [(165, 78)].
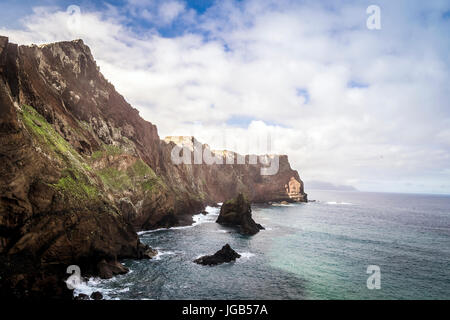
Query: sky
[(349, 105)]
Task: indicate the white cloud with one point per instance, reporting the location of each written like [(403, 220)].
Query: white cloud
[(170, 10), (389, 134)]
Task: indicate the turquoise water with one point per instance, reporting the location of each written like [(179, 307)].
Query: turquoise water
[(318, 250)]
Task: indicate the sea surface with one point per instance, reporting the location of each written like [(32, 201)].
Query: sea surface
[(315, 250)]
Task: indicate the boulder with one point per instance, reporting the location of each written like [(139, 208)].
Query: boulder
[(146, 252), (96, 295), (81, 296), (237, 212), (108, 269), (226, 254)]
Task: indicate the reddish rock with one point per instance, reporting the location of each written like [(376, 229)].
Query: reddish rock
[(82, 171), (108, 269)]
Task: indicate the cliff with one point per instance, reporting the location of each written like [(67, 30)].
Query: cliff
[(82, 171)]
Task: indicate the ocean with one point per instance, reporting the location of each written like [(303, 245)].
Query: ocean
[(315, 250)]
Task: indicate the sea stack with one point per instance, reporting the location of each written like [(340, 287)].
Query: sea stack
[(237, 212), (226, 254)]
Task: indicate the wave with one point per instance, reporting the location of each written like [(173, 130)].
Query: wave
[(246, 255), (339, 203), (96, 284), (209, 217), (93, 285), (163, 253)]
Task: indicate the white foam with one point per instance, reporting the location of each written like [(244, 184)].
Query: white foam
[(246, 255), (211, 216), (338, 203), (95, 284), (150, 231), (282, 205), (91, 286), (162, 253)]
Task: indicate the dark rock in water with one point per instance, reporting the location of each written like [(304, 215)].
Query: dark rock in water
[(226, 254), (81, 296), (237, 212), (108, 269), (146, 252), (204, 212), (96, 295)]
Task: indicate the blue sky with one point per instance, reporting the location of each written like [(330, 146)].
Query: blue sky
[(349, 105)]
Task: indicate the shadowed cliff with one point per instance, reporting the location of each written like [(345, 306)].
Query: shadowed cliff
[(82, 171)]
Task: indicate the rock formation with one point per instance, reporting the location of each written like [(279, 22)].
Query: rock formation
[(96, 295), (237, 212), (226, 254), (220, 182), (82, 172)]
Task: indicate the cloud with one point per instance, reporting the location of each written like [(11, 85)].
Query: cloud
[(348, 105), (168, 11)]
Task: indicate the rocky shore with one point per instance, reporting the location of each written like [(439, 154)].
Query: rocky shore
[(82, 172)]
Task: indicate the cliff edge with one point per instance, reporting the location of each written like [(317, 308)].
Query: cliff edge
[(82, 171)]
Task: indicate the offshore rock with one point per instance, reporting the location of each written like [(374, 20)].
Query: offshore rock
[(237, 212), (96, 295), (146, 252), (226, 254)]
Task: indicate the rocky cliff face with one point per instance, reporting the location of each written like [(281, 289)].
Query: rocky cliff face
[(82, 171)]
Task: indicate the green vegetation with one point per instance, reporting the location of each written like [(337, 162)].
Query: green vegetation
[(140, 168), (138, 174), (76, 185), (107, 150), (45, 134), (115, 179), (74, 182)]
